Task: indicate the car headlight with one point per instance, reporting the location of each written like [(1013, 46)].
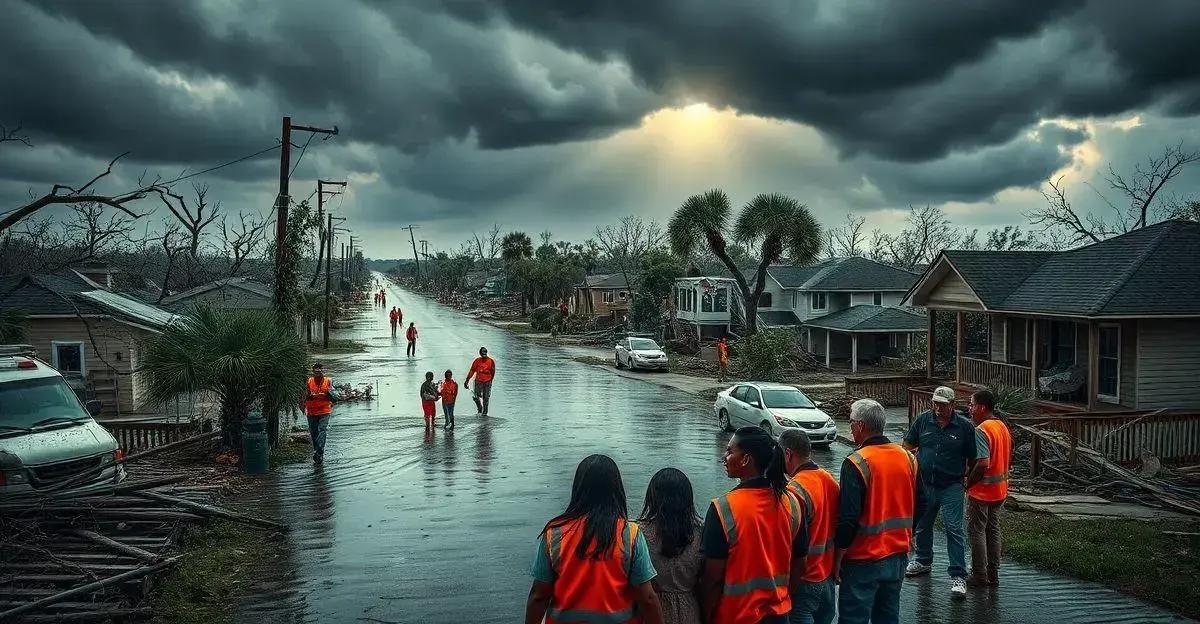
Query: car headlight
[(785, 422)]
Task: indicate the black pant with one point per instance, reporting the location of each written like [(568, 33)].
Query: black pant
[(412, 347)]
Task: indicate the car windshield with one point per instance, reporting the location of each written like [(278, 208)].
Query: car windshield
[(643, 344), (38, 402), (784, 399)]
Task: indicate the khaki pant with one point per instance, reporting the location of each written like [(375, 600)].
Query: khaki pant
[(983, 532)]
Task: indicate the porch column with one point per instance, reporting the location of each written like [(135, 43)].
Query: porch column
[(854, 353), (827, 332), (929, 342), (1033, 358), (1093, 372), (959, 338)]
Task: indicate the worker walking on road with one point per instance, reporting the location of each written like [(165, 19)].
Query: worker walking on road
[(878, 499), (429, 397), (722, 359), (318, 405), (814, 602), (382, 299), (449, 391), (592, 564), (411, 335), (483, 369), (394, 318), (754, 539), (987, 487), (946, 449)]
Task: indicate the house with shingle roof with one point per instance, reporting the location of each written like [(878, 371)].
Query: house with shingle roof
[(91, 334), (1113, 323), (601, 295)]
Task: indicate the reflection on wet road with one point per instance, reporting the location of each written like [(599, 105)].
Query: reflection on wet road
[(404, 526)]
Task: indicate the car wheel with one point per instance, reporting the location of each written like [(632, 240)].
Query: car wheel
[(723, 420), (766, 426), (619, 365), (629, 363)]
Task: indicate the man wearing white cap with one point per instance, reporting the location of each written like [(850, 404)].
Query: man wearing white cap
[(945, 443)]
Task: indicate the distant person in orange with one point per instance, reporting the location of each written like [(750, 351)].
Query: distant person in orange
[(411, 335), (429, 397), (722, 359), (449, 391), (317, 407), (382, 298), (483, 369), (394, 317)]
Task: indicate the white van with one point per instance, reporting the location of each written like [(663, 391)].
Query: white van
[(47, 436)]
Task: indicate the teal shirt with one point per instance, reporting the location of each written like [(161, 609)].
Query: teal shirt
[(641, 569)]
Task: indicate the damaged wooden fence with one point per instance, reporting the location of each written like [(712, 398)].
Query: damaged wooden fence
[(134, 435), (1172, 436)]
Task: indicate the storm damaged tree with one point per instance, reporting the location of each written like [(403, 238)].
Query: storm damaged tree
[(927, 232), (241, 240), (774, 224), (847, 239), (486, 246), (626, 245), (1138, 190), (173, 243)]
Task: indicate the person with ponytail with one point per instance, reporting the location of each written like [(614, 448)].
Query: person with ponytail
[(592, 563), (755, 538), (673, 534)]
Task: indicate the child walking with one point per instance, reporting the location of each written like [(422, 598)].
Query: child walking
[(429, 397), (449, 391)]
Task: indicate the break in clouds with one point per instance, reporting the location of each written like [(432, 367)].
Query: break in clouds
[(550, 115)]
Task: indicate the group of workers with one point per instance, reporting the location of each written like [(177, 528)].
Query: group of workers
[(789, 543), (380, 299), (483, 369)]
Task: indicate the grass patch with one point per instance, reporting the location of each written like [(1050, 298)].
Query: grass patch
[(290, 452), (218, 560), (339, 345), (591, 359), (1136, 558)]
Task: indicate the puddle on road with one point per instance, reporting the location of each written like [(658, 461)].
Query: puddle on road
[(401, 525)]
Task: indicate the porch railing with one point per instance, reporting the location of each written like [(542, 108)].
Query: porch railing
[(1173, 436), (985, 372), (889, 390), (137, 436)]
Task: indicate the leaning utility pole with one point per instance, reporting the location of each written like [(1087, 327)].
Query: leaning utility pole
[(282, 201), (321, 192), (416, 258)]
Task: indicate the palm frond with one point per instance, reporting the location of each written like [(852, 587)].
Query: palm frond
[(784, 223), (698, 216)]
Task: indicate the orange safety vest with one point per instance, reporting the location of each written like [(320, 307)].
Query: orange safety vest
[(449, 391), (818, 493), (318, 406), (591, 590), (760, 529), (885, 524), (411, 333), (994, 485), (483, 369), (722, 353)]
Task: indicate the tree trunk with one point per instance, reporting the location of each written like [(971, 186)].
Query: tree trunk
[(717, 244)]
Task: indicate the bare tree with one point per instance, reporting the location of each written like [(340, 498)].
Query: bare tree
[(1140, 189), (1011, 238), (83, 193), (92, 235), (240, 241), (847, 239), (14, 135), (928, 232), (627, 242), (487, 246), (194, 221), (173, 242)]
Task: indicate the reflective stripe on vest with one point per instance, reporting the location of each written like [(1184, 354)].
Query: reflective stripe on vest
[(591, 590), (818, 490), (885, 523), (591, 617), (761, 528), (993, 487), (820, 549), (745, 587), (315, 406), (1000, 478), (725, 514)]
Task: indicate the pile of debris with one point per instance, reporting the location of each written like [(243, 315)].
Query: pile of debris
[(347, 393), (92, 554)]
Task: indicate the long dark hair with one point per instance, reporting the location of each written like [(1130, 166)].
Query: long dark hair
[(597, 496), (767, 455), (671, 509)]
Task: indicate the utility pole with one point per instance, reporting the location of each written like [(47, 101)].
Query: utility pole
[(416, 258), (351, 270), (281, 202), (328, 303), (321, 192)]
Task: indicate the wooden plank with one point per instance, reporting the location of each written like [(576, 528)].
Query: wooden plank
[(82, 590), (132, 551)]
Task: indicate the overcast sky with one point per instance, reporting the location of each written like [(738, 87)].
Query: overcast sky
[(567, 115)]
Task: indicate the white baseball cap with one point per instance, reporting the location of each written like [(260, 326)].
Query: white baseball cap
[(943, 395)]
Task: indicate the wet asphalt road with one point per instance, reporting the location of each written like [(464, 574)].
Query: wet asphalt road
[(400, 526)]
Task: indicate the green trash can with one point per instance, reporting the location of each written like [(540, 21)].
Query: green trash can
[(255, 450)]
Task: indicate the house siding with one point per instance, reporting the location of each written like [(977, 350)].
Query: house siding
[(952, 292), (107, 349), (996, 336), (1168, 355), (1129, 359)]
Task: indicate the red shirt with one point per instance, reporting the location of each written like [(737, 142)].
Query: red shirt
[(393, 315), (411, 333), (483, 369), (449, 391)]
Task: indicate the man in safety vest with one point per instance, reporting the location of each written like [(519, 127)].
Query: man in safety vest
[(722, 359), (817, 491), (317, 407), (987, 487), (483, 369), (878, 500), (394, 319)]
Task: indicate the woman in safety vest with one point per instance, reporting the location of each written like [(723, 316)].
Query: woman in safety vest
[(592, 563), (754, 539)]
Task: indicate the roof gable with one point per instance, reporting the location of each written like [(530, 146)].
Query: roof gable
[(849, 273)]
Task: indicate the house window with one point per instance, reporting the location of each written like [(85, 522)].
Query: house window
[(609, 296), (67, 357), (764, 300), (818, 301), (877, 298), (706, 302), (722, 300), (793, 300), (1110, 362), (624, 295)]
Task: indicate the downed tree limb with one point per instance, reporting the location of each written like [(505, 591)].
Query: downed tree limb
[(132, 551), (38, 605), (84, 476), (218, 512)]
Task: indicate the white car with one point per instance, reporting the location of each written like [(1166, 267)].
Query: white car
[(641, 353), (774, 407), (47, 437)]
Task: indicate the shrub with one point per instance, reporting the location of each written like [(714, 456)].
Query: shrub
[(1011, 401), (765, 354), (544, 318)]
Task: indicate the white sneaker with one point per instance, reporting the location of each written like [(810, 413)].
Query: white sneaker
[(916, 568), (958, 587)]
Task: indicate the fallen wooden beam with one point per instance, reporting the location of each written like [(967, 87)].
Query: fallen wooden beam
[(215, 511), (38, 605), (132, 551), (88, 616)]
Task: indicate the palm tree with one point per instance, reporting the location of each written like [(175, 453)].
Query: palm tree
[(243, 356), (776, 224), (515, 246)]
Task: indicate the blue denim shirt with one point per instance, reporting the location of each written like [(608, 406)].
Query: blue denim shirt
[(942, 452)]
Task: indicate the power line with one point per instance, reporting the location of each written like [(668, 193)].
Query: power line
[(301, 156), (221, 166)]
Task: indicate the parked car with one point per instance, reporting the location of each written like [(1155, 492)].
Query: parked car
[(47, 436), (774, 407), (640, 353)]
